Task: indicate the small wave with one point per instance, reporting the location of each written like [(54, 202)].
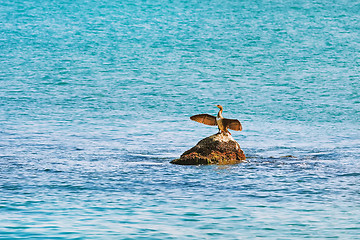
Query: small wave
[(349, 175), (144, 163)]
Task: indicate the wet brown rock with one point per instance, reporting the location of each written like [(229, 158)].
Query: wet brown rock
[(219, 149)]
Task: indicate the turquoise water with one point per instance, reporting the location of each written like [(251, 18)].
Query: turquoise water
[(96, 97)]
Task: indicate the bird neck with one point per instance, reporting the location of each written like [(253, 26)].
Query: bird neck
[(219, 115)]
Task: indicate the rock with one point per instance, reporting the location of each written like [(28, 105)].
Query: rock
[(220, 148)]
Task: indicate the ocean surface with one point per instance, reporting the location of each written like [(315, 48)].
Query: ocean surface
[(95, 100)]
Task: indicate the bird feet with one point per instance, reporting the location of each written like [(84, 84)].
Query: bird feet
[(225, 133)]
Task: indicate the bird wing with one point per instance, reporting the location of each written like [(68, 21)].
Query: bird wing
[(205, 119), (233, 124)]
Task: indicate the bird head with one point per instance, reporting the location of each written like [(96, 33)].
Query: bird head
[(220, 107)]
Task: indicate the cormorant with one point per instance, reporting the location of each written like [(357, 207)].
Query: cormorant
[(222, 123)]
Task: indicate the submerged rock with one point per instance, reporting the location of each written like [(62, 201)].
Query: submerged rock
[(220, 148)]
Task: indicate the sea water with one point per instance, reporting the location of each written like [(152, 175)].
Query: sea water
[(96, 97)]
